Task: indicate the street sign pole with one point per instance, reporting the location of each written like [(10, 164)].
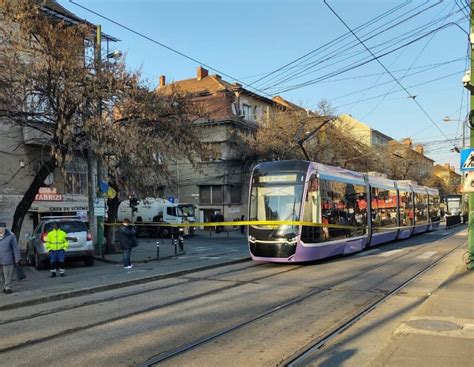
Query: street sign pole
[(470, 248)]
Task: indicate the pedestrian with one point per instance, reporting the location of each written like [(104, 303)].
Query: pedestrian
[(9, 255), (56, 243), (242, 228), (128, 240)]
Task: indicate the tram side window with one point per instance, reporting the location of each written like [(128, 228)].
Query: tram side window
[(312, 213), (384, 208), (343, 204), (421, 208), (406, 208), (434, 208)]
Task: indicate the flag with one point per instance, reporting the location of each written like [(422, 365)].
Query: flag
[(111, 193), (103, 186)]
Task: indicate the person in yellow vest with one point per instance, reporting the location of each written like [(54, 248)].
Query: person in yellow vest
[(56, 243)]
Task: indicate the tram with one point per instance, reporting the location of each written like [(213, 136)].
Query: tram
[(350, 211)]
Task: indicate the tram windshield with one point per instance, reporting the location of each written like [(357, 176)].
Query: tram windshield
[(276, 197)]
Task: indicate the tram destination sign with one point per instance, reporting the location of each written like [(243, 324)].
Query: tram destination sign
[(278, 178)]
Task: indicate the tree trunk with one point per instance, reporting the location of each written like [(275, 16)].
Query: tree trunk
[(29, 196)]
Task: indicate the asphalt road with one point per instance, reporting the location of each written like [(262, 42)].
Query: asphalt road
[(252, 314)]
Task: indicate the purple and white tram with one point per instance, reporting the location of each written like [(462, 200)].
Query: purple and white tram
[(366, 210)]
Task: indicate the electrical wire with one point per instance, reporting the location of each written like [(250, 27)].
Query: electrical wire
[(343, 49), (388, 71), (167, 47)]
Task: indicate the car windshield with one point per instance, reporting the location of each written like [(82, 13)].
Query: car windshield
[(68, 227)]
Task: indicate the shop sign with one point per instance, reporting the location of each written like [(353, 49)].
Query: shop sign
[(48, 194)]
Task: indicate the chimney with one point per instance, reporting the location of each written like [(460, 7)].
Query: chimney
[(407, 141), (238, 84), (162, 81), (201, 73), (420, 149)]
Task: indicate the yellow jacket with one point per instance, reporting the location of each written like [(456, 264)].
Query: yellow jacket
[(56, 240)]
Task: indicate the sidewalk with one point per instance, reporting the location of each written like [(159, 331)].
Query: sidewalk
[(154, 249), (441, 331), (202, 251)]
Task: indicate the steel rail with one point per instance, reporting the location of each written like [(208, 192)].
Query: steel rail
[(307, 355), (212, 336)]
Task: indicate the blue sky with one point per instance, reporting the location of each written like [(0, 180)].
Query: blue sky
[(247, 39)]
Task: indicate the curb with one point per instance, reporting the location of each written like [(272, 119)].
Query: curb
[(107, 287), (152, 259)]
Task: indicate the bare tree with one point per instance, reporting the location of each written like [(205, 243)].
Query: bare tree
[(277, 139), (45, 85)]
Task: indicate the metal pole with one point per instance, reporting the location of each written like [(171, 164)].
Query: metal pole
[(470, 248), (100, 218)]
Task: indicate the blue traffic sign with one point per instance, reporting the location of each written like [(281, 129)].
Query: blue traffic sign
[(467, 159)]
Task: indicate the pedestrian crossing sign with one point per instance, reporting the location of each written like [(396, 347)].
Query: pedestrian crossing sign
[(467, 159)]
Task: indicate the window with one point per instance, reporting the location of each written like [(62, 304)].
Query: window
[(235, 192), (434, 208), (246, 111), (205, 194), (384, 208), (76, 183), (421, 208), (406, 208), (67, 226), (343, 204), (171, 210), (211, 194)]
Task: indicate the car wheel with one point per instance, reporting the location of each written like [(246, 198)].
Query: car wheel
[(39, 265), (89, 261)]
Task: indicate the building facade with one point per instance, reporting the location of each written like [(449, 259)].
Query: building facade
[(219, 183)]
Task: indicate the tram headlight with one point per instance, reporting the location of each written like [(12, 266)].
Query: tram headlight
[(252, 239)]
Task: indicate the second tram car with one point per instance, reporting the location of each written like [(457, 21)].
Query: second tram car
[(360, 211)]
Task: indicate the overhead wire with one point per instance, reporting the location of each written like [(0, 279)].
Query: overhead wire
[(168, 47), (343, 49), (410, 67), (359, 63), (388, 71), (333, 41)]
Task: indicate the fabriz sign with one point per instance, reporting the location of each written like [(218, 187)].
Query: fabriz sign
[(48, 194)]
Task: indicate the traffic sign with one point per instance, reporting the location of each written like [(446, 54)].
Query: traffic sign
[(467, 159)]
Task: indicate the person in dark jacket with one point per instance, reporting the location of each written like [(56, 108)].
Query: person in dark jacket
[(128, 240), (9, 256)]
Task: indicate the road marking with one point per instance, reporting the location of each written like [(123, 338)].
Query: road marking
[(390, 253), (426, 255), (210, 257)]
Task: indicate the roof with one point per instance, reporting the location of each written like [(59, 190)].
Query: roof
[(213, 84), (53, 8)]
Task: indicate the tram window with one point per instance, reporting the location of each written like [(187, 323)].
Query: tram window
[(434, 208), (406, 208), (421, 208), (312, 213), (343, 204), (384, 208)]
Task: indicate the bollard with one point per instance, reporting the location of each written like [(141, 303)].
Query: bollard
[(181, 243), (175, 243), (157, 249)]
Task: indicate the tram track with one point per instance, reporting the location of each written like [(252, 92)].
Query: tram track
[(306, 355), (164, 356), (201, 341), (62, 333)]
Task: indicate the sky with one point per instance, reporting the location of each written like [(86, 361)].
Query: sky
[(422, 43)]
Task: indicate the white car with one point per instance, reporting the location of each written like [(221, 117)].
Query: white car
[(80, 242)]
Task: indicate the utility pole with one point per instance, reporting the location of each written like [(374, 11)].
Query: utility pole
[(470, 247), (100, 218)]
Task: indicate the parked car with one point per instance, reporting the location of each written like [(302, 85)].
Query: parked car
[(80, 242)]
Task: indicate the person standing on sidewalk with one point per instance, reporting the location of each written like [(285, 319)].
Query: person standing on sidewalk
[(128, 240), (56, 243), (9, 255)]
